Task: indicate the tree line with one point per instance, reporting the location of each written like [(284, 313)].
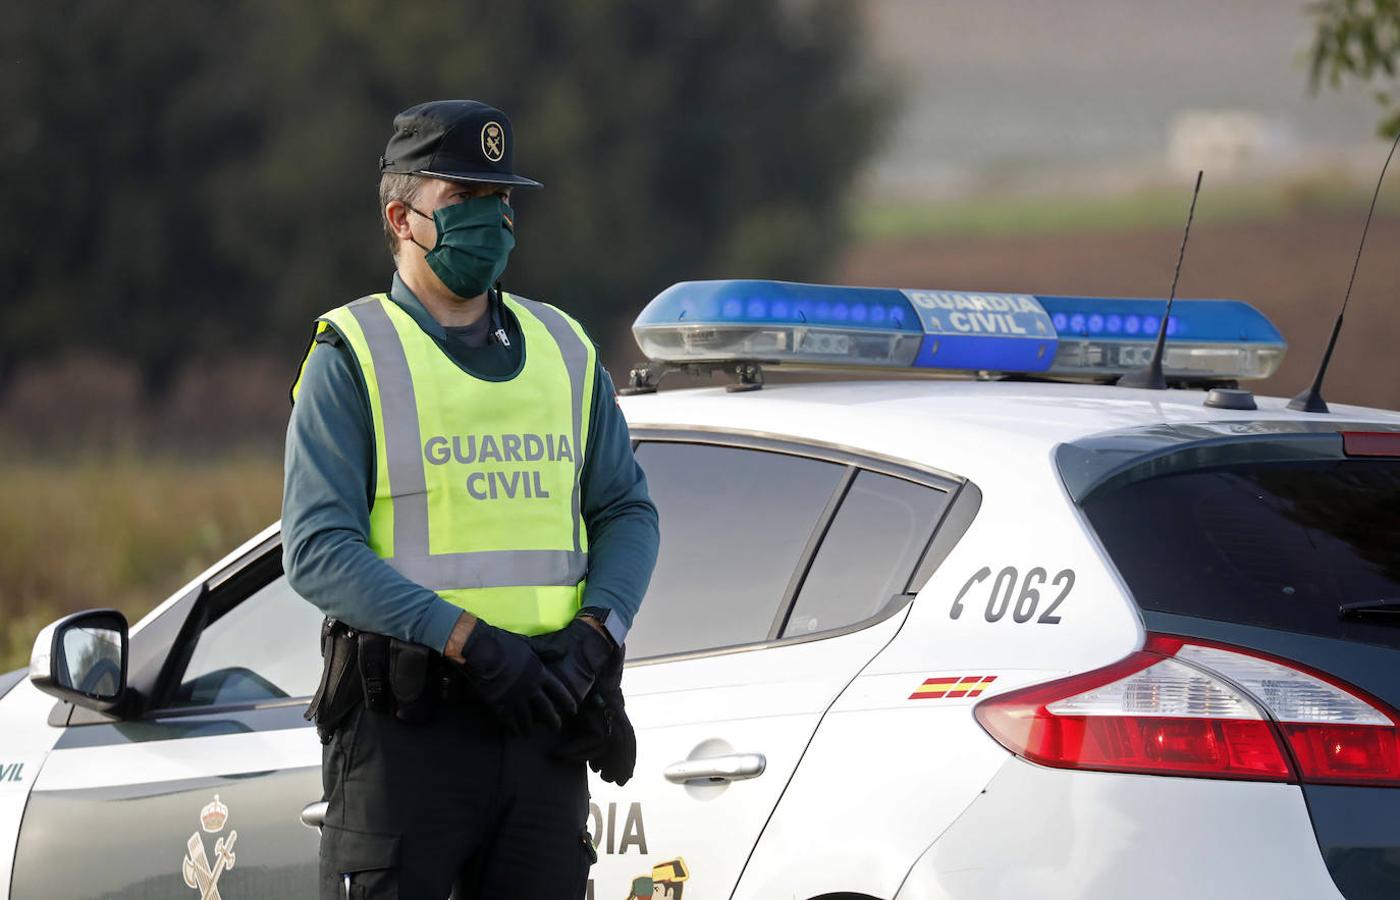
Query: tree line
[(197, 179)]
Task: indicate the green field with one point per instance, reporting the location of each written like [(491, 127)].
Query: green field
[(121, 532), (995, 216)]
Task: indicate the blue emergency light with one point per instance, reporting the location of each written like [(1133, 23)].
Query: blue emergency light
[(827, 326)]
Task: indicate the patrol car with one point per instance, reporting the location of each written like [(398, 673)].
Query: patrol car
[(1021, 635)]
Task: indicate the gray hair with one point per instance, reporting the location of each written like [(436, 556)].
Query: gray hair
[(396, 186)]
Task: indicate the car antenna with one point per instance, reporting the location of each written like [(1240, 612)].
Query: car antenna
[(1311, 399), (1150, 376)]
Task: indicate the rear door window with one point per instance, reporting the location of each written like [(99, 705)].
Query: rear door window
[(734, 524), (868, 554), (1281, 546)]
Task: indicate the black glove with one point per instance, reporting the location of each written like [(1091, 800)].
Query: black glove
[(510, 678), (601, 733), (618, 757), (575, 654)]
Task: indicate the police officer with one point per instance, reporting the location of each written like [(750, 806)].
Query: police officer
[(462, 502)]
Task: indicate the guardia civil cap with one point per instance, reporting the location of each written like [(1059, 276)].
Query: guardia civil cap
[(460, 140)]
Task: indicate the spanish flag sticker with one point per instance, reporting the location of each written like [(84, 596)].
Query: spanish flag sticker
[(953, 686)]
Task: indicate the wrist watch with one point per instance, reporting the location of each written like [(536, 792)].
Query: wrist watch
[(600, 615)]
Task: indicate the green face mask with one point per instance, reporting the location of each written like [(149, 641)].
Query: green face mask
[(474, 240)]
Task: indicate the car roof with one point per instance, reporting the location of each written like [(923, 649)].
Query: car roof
[(968, 428)]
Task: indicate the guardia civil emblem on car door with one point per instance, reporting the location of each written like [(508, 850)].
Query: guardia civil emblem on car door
[(198, 873)]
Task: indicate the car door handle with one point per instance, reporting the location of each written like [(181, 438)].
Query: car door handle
[(313, 815), (734, 767)]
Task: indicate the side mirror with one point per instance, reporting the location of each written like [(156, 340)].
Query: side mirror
[(82, 658)]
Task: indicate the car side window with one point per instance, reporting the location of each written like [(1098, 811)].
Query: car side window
[(734, 524), (263, 648), (868, 554)]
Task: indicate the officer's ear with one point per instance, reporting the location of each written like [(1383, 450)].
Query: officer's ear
[(396, 213)]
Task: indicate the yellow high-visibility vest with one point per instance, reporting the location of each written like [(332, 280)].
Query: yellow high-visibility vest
[(476, 491)]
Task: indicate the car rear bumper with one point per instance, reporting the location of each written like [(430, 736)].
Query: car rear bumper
[(1052, 833)]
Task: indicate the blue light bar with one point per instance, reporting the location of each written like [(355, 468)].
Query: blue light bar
[(983, 332), (780, 302), (1113, 318), (827, 326)]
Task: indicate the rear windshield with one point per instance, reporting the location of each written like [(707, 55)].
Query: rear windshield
[(1276, 545)]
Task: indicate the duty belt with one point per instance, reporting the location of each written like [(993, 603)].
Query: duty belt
[(406, 680)]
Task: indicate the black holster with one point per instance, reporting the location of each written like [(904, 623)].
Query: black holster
[(340, 688)]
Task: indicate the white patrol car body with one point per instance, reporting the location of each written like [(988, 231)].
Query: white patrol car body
[(884, 780), (838, 762)]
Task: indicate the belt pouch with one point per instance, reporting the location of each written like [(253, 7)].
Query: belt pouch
[(374, 671), (410, 677), (339, 690)]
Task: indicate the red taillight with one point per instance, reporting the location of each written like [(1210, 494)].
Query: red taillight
[(1345, 754), (1125, 735), (1193, 708), (1165, 746)]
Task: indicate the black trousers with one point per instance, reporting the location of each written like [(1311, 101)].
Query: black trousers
[(452, 807)]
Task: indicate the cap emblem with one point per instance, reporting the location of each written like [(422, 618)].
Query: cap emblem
[(493, 141)]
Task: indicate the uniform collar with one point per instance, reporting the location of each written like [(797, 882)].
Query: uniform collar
[(401, 294)]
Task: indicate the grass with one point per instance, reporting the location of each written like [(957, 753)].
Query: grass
[(1008, 216), (121, 532)]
